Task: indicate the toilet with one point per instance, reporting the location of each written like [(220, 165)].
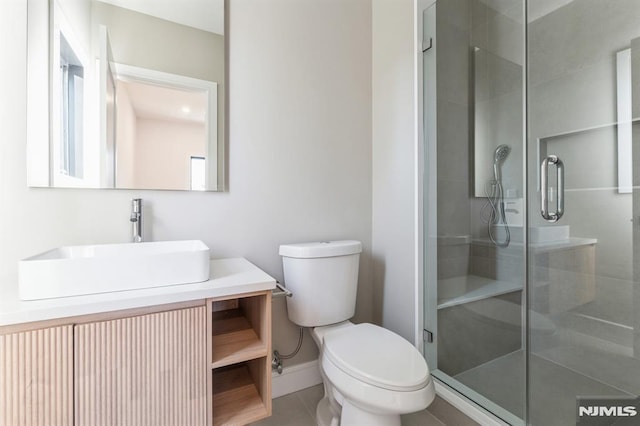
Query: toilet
[(371, 375)]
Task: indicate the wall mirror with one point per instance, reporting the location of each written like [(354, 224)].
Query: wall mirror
[(126, 94)]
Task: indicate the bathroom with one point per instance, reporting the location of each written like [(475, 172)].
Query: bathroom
[(328, 133)]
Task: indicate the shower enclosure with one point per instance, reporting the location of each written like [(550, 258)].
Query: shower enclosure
[(532, 308)]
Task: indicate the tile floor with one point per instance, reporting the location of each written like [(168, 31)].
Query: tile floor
[(553, 387), (299, 408)]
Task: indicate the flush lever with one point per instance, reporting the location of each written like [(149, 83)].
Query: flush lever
[(544, 188)]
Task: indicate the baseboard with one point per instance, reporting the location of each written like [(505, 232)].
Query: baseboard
[(295, 378)]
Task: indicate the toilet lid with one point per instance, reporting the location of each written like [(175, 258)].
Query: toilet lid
[(377, 356)]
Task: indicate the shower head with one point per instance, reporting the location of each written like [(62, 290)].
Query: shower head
[(501, 153)]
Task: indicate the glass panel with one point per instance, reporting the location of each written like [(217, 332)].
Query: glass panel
[(584, 75), (474, 243)]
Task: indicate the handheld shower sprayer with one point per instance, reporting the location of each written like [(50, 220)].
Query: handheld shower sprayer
[(500, 154), (495, 198)]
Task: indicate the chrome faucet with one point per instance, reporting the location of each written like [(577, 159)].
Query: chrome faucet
[(136, 221)]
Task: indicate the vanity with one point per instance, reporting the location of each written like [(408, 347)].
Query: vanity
[(190, 354)]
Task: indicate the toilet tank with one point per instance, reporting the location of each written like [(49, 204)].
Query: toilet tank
[(323, 277)]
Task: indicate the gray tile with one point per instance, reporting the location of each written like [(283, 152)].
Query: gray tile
[(613, 302), (576, 101), (593, 326), (298, 409), (310, 398), (455, 13), (453, 267), (453, 141), (288, 410), (483, 267), (498, 33), (489, 381), (584, 154), (554, 387), (421, 418), (579, 34), (448, 414), (453, 64), (600, 360), (469, 337), (453, 208)]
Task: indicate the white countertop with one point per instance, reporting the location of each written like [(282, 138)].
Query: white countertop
[(228, 276)]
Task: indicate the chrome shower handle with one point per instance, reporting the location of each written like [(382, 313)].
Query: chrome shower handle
[(544, 188)]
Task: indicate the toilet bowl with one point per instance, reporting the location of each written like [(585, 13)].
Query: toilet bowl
[(374, 375), (371, 375)]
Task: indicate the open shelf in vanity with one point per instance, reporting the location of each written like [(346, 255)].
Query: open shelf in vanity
[(240, 358)]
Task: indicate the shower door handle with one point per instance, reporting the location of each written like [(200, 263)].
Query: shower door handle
[(544, 188)]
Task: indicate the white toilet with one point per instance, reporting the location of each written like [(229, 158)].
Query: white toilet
[(371, 375)]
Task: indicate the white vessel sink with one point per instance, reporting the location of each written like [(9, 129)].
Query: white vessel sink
[(78, 270)]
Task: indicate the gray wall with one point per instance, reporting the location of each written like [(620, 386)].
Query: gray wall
[(299, 151), (573, 87)]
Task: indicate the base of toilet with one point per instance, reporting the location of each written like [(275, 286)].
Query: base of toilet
[(351, 415), (324, 414)]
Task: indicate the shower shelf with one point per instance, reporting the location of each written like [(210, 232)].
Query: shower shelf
[(477, 287)]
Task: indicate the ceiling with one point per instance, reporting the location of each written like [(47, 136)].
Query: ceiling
[(207, 15), (162, 103), (540, 8)]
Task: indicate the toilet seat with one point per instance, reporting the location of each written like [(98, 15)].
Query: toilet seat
[(377, 356)]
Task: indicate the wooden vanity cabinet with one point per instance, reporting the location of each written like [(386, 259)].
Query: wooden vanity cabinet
[(197, 363)]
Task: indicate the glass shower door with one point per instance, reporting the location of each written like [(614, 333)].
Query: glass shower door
[(473, 67), (583, 177)]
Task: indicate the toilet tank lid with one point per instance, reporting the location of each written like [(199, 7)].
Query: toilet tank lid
[(321, 249)]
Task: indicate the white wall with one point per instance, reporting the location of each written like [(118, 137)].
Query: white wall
[(394, 231), (167, 147), (299, 151)]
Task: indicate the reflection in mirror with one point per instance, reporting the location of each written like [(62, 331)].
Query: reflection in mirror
[(166, 120), (136, 96)]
